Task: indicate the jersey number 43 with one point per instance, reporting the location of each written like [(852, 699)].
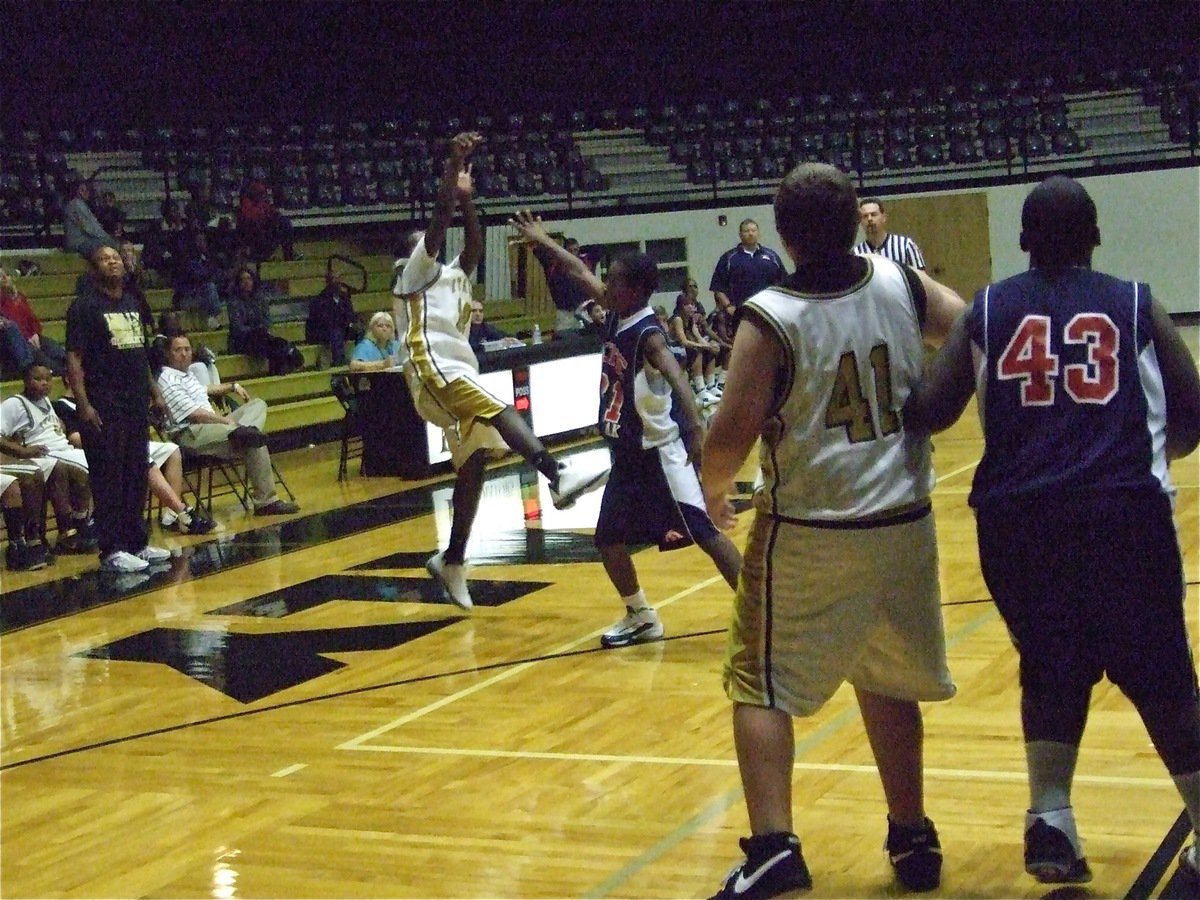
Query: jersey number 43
[(1030, 360)]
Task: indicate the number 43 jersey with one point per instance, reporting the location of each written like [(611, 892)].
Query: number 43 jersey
[(835, 449), (1069, 388)]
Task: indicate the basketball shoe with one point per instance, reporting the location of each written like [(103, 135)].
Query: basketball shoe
[(575, 478), (451, 578), (640, 626), (916, 854), (773, 865), (1053, 852)]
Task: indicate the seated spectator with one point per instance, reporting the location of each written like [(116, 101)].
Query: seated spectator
[(690, 330), (379, 349), (597, 319), (196, 426), (676, 348), (332, 320), (721, 328), (110, 216), (197, 277), (22, 504), (82, 231), (223, 245), (160, 250), (250, 325), (164, 478), (204, 360), (482, 330), (260, 226), (30, 430), (14, 306), (15, 352)]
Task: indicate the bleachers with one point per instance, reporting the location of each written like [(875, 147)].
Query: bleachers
[(302, 407)]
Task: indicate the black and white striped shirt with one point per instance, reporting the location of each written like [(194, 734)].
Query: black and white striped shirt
[(897, 248)]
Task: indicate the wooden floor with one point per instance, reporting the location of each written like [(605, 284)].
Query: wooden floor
[(288, 711)]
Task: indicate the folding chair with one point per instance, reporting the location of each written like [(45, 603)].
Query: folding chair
[(343, 388)]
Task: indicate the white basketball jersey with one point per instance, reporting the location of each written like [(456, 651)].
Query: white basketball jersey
[(836, 449), (433, 317)]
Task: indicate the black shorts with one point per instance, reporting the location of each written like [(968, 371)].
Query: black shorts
[(1091, 585), (653, 497)]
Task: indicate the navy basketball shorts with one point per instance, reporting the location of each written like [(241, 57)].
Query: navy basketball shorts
[(653, 497), (1091, 584)]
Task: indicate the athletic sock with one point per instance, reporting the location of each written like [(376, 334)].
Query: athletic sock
[(1051, 771), (1189, 790), (636, 602)]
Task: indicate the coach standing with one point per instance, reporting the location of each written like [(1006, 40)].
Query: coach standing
[(109, 375), (746, 269), (896, 247)]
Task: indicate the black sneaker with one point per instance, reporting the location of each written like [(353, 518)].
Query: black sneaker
[(22, 557), (1050, 853), (773, 865), (915, 854), (197, 523), (1189, 866)]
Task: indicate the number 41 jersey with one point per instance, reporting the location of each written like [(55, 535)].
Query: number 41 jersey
[(1068, 383), (835, 449)]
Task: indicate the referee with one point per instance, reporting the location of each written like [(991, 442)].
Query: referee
[(896, 247)]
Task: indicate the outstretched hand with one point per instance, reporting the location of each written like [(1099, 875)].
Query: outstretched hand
[(530, 226), (463, 145)]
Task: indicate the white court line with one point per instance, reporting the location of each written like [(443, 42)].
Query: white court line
[(967, 468), (355, 743), (961, 774), (289, 770)]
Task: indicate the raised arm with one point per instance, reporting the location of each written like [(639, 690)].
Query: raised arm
[(447, 196), (532, 229), (472, 250)]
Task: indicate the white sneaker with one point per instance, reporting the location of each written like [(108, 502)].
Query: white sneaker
[(576, 478), (706, 398), (153, 554), (452, 578), (638, 627), (1189, 864), (120, 561)]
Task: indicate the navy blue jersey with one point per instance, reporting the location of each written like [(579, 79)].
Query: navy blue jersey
[(635, 399), (1069, 387)]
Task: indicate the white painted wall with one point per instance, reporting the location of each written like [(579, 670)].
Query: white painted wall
[(1149, 229)]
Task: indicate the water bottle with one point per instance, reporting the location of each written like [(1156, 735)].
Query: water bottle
[(537, 333)]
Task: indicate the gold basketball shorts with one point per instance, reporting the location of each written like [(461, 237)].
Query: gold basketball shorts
[(819, 606)]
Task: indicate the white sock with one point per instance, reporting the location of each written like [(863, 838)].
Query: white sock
[(1051, 766), (636, 602), (698, 384), (711, 381), (168, 517), (1063, 820), (1189, 790), (720, 376)]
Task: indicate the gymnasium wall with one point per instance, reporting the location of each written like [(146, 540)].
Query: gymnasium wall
[(1149, 227)]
